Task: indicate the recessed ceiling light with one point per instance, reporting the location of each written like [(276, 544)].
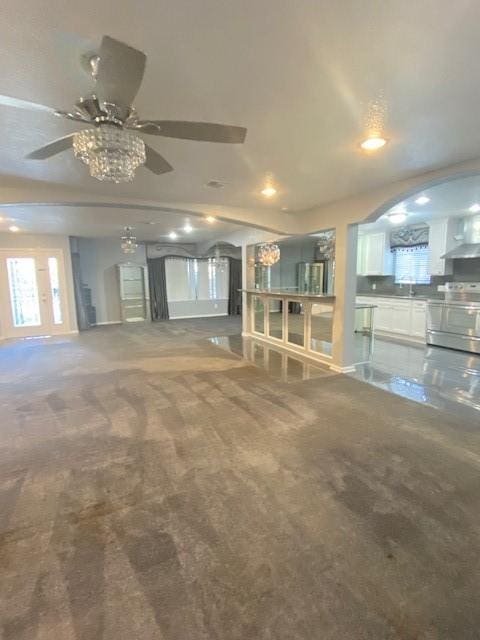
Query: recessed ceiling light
[(284, 208), (397, 217), (422, 200), (374, 143), (475, 208), (172, 235), (188, 228), (268, 191), (13, 228), (210, 219)]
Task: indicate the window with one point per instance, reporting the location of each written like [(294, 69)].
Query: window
[(411, 265), (196, 279)]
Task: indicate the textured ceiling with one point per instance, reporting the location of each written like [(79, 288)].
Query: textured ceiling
[(110, 222), (307, 78), (449, 199)]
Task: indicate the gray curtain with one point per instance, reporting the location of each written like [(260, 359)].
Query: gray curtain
[(234, 284), (158, 288), (80, 304)]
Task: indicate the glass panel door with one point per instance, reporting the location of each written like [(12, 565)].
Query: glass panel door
[(32, 293), (23, 287)]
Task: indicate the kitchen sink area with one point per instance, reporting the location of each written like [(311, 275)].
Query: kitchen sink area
[(421, 273)]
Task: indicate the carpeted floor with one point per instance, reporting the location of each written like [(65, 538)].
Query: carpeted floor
[(154, 486)]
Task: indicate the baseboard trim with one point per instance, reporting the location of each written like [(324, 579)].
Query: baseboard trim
[(102, 324), (206, 315), (337, 369), (401, 337)]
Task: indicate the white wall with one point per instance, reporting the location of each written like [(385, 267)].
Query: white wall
[(27, 241), (98, 262)]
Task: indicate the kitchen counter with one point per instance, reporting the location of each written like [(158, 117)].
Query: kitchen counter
[(288, 293)]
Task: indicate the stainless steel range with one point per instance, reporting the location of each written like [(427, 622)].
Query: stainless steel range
[(455, 321)]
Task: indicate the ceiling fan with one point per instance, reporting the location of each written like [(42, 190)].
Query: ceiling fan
[(111, 149)]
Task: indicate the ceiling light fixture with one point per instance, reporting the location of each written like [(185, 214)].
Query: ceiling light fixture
[(128, 241), (268, 254), (111, 154), (210, 219), (475, 208), (373, 144), (422, 200), (268, 191), (172, 235), (397, 217), (188, 228), (14, 228)]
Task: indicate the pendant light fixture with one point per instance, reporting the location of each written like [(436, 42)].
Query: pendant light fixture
[(129, 241)]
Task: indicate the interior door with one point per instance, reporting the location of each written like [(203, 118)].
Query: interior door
[(32, 293)]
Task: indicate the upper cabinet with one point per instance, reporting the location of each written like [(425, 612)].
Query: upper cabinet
[(441, 239), (374, 257)]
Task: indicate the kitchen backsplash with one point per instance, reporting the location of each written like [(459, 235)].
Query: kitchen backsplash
[(386, 286), (467, 270)]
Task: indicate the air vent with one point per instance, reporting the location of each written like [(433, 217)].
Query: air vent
[(215, 184)]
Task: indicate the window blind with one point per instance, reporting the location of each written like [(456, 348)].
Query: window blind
[(411, 265), (192, 279)]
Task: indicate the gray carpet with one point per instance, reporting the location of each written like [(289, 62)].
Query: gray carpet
[(155, 486)]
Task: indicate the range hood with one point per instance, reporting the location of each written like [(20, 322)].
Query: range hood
[(467, 250), (470, 248)]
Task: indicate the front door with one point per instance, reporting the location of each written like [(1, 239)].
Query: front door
[(32, 293)]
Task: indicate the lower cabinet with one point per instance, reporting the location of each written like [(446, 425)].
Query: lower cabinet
[(418, 319), (383, 316), (398, 317), (401, 318)]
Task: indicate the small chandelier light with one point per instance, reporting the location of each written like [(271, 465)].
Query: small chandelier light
[(129, 241), (326, 245), (268, 254), (111, 153)]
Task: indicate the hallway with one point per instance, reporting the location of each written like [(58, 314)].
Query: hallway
[(157, 486)]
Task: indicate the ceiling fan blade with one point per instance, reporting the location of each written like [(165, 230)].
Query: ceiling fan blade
[(119, 72), (51, 149), (8, 101), (155, 162), (201, 131)]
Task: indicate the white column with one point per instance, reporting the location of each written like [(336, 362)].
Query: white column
[(248, 281), (343, 352)]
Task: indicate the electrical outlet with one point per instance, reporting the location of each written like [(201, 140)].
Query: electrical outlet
[(374, 286)]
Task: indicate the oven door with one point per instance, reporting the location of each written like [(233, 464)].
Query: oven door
[(434, 316), (461, 319)]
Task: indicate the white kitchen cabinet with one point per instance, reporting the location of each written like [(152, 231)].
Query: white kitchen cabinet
[(440, 240), (418, 319), (398, 317), (361, 255), (384, 315), (400, 321), (374, 257)]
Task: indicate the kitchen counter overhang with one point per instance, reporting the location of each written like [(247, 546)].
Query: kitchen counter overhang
[(286, 293)]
